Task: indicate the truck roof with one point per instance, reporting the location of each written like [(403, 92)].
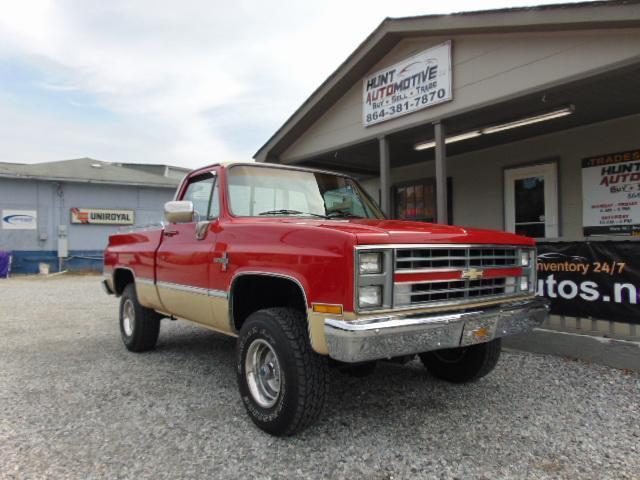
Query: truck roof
[(268, 165)]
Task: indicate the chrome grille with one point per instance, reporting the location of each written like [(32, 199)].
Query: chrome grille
[(451, 290), (447, 258)]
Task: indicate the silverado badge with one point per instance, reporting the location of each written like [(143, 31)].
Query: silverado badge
[(472, 274)]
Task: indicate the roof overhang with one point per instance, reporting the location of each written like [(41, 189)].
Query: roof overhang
[(559, 17), (82, 180)]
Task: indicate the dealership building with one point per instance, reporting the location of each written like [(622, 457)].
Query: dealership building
[(60, 214), (524, 119)]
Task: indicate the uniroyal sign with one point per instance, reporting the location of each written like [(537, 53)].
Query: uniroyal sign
[(418, 82), (101, 216)]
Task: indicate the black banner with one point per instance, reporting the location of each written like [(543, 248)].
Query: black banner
[(591, 279)]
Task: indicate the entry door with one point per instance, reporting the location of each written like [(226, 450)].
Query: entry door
[(531, 200), (186, 253)]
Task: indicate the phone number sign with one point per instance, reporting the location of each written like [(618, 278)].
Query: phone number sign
[(416, 83)]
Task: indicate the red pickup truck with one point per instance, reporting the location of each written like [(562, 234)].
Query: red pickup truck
[(303, 268)]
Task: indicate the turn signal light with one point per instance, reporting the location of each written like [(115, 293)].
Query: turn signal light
[(327, 308)]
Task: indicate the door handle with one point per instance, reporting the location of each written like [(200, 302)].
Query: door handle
[(169, 233)]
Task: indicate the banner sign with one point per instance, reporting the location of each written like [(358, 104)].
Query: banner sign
[(418, 82), (19, 219), (600, 280), (611, 194), (101, 216)]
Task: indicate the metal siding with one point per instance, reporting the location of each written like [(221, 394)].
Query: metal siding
[(53, 210), (486, 68), (27, 195)]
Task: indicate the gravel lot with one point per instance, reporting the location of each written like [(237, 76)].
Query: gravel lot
[(75, 404)]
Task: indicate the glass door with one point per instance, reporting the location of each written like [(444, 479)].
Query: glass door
[(531, 201)]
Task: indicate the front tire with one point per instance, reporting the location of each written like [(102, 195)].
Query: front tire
[(463, 364), (139, 326), (282, 381)]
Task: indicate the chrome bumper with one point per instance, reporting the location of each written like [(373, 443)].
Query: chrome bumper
[(398, 335)]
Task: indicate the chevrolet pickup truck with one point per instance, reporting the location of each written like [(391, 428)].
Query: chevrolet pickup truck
[(303, 268)]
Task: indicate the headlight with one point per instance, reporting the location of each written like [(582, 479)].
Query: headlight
[(370, 263), (525, 257), (524, 284), (370, 296)]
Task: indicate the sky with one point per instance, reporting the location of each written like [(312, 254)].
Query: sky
[(183, 83)]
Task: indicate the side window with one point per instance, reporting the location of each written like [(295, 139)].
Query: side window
[(204, 196)]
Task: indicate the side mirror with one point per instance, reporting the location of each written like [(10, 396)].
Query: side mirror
[(178, 211)]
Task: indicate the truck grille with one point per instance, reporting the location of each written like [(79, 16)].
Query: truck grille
[(455, 260), (434, 258)]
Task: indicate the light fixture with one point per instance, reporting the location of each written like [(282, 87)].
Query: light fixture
[(562, 112), (452, 139)]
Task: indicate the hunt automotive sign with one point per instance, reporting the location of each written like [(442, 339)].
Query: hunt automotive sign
[(611, 194), (101, 216), (418, 82)]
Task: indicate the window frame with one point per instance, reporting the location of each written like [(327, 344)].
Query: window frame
[(215, 183), (426, 181)]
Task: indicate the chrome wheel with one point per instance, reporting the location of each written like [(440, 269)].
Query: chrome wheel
[(262, 370), (128, 317)]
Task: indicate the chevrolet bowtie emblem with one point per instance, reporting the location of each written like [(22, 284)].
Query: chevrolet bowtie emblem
[(472, 274)]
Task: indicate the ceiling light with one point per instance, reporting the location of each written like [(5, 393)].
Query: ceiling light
[(424, 145), (562, 112), (452, 139)]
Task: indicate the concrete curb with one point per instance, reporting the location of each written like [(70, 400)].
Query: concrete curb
[(604, 351)]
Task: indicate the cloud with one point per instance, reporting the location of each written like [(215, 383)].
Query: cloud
[(184, 83)]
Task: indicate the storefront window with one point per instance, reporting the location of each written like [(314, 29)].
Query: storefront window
[(417, 201)]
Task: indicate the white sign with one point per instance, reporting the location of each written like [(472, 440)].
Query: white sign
[(19, 219), (419, 82), (611, 194), (102, 216)]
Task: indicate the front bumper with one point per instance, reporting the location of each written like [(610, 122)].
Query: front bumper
[(398, 335)]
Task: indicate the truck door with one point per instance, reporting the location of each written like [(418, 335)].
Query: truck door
[(186, 253)]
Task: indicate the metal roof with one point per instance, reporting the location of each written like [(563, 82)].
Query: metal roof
[(562, 16), (87, 170)]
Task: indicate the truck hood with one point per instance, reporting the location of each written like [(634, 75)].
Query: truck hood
[(371, 232)]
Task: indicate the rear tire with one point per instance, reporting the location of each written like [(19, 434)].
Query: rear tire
[(282, 381), (463, 364), (139, 326)]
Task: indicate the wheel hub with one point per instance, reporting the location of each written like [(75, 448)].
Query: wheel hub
[(262, 370), (128, 317)]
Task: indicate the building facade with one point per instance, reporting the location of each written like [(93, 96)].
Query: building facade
[(526, 120), (61, 213)]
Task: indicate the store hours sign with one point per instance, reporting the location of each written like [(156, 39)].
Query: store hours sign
[(611, 194), (416, 83)]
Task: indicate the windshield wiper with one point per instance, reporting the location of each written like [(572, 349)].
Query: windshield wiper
[(342, 214), (285, 211)]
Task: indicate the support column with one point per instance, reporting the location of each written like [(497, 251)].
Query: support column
[(441, 174), (385, 176)]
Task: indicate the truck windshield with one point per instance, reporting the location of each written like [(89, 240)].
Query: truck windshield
[(263, 191)]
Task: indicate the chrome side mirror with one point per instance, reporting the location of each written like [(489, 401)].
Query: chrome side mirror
[(178, 211)]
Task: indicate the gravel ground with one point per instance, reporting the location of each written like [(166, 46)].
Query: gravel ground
[(75, 404)]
